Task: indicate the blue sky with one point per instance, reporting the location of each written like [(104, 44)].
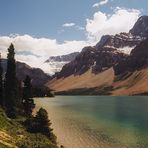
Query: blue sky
[(44, 18), (43, 28)]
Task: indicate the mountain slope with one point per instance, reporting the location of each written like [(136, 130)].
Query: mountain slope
[(136, 83), (90, 68), (109, 51), (91, 58), (138, 59), (141, 27), (96, 84), (86, 80), (39, 78)]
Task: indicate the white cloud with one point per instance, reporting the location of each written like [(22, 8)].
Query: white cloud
[(69, 24), (102, 2), (77, 27), (34, 51), (122, 20)]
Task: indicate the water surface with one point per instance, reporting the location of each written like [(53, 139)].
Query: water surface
[(92, 121)]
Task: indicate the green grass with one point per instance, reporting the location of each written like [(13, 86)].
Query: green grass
[(20, 136), (3, 146)]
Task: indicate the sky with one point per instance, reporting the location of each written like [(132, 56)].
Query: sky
[(43, 28)]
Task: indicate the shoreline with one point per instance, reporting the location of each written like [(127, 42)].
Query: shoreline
[(70, 133)]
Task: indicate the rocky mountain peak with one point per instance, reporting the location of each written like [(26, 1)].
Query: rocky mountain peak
[(141, 27), (108, 52), (138, 59), (104, 40)]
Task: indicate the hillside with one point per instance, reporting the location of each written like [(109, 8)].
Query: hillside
[(105, 83), (14, 135), (39, 78), (86, 80), (132, 84)]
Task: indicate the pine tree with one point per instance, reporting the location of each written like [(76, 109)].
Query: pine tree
[(40, 123), (28, 102), (42, 119), (11, 84), (1, 83)]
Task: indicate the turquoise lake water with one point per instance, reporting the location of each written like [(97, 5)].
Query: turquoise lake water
[(119, 121)]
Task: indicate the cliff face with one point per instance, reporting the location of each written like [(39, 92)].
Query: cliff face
[(138, 59), (119, 41), (141, 27)]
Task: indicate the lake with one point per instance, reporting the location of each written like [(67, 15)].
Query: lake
[(94, 121)]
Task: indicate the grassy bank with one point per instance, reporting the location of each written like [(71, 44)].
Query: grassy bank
[(14, 134)]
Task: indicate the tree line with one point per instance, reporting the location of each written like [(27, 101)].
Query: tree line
[(16, 99), (15, 96)]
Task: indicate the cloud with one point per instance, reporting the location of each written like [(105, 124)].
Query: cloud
[(69, 24), (79, 27), (122, 20), (102, 2), (35, 51)]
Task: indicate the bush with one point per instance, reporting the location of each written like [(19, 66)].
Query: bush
[(40, 124)]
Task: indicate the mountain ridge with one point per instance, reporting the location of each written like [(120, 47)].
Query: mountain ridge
[(106, 54)]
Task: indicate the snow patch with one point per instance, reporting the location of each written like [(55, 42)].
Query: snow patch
[(126, 50)]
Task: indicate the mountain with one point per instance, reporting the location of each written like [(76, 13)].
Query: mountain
[(109, 51), (91, 58), (39, 78), (106, 66), (141, 27), (82, 82), (138, 59), (57, 62), (123, 42)]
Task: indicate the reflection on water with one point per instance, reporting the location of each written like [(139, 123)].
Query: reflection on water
[(121, 120)]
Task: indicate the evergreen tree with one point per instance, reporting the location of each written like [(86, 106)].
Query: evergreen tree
[(11, 84), (1, 83), (28, 101), (40, 123), (43, 122)]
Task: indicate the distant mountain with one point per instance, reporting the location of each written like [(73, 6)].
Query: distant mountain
[(39, 78), (57, 62), (124, 52), (63, 58)]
